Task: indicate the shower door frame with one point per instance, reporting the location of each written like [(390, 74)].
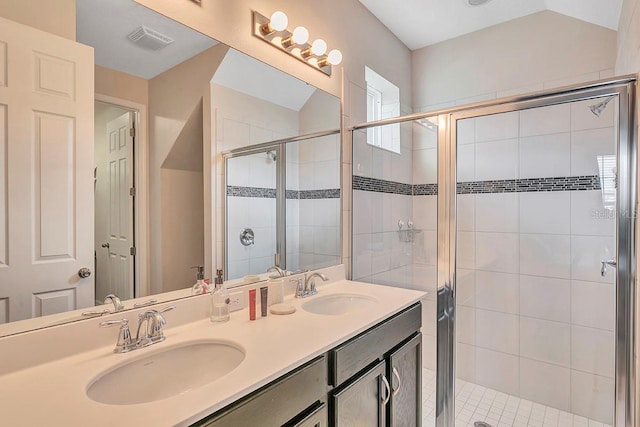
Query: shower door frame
[(626, 202), (624, 88)]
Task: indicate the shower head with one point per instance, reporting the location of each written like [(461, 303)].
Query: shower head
[(598, 108), (272, 155)]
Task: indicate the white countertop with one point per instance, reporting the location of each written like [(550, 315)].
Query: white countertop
[(54, 393)]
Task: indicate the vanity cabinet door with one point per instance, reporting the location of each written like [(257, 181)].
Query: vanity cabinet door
[(362, 403), (405, 378)]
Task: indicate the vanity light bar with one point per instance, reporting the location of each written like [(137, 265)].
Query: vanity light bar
[(274, 31)]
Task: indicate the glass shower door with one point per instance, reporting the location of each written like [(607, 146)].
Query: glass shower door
[(535, 309)]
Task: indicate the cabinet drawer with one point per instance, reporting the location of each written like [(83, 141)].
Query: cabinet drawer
[(351, 357), (319, 417), (279, 402)]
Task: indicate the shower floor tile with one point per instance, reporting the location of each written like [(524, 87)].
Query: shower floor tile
[(477, 403)]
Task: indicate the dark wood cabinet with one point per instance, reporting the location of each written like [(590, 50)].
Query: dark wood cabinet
[(363, 402), (371, 380), (405, 376)]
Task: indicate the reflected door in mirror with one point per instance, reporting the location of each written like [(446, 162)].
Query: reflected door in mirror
[(114, 265)]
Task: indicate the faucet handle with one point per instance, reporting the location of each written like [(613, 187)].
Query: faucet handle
[(157, 321), (167, 308), (145, 303), (299, 286), (124, 342), (310, 283)]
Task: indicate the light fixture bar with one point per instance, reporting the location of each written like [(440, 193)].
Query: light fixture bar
[(283, 41)]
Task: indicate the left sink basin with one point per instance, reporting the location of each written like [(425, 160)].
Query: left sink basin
[(166, 373)]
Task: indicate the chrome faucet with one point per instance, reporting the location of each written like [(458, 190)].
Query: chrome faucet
[(310, 283), (111, 298), (307, 287), (153, 321), (279, 272), (117, 304), (153, 332)]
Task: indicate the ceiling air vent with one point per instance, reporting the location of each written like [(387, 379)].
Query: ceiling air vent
[(150, 39)]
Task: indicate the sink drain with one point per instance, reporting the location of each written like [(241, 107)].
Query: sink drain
[(481, 424)]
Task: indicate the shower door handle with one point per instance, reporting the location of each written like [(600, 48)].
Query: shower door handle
[(610, 263)]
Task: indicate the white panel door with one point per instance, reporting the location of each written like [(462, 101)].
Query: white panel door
[(46, 173), (120, 222)]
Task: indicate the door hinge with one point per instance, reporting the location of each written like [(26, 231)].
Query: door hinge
[(132, 251), (132, 191), (132, 132)]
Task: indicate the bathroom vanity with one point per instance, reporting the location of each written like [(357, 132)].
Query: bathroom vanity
[(352, 352), (370, 378)]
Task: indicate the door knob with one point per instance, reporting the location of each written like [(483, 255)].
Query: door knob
[(105, 245), (84, 272)]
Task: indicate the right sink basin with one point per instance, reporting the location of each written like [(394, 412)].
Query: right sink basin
[(338, 304)]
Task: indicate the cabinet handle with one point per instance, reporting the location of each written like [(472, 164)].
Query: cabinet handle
[(387, 394), (395, 374)]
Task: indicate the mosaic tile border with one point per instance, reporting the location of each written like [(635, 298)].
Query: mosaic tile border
[(425, 189), (270, 193), (381, 186), (236, 191), (525, 185), (330, 193)]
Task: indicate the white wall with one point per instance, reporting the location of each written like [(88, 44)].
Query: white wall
[(317, 162), (313, 224), (182, 224), (173, 97), (56, 17), (378, 252), (539, 51)]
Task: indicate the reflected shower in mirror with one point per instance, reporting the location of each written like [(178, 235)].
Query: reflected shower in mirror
[(159, 104), (292, 207)]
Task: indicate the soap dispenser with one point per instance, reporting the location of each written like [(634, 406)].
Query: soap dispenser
[(200, 287), (220, 300)]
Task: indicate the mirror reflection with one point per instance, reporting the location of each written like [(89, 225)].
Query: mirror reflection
[(283, 214), (132, 117)]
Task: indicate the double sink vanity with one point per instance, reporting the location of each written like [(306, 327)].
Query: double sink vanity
[(351, 352)]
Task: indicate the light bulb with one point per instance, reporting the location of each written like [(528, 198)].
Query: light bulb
[(279, 21), (319, 47), (300, 35), (334, 57)]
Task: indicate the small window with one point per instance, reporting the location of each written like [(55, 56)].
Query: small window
[(383, 102)]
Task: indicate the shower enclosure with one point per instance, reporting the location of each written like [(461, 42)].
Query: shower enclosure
[(517, 217), (282, 205)]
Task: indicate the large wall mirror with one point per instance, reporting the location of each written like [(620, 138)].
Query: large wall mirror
[(116, 185)]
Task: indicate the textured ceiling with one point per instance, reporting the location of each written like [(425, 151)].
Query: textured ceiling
[(419, 23)]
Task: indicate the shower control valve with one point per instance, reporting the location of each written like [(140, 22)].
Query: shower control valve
[(610, 263)]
